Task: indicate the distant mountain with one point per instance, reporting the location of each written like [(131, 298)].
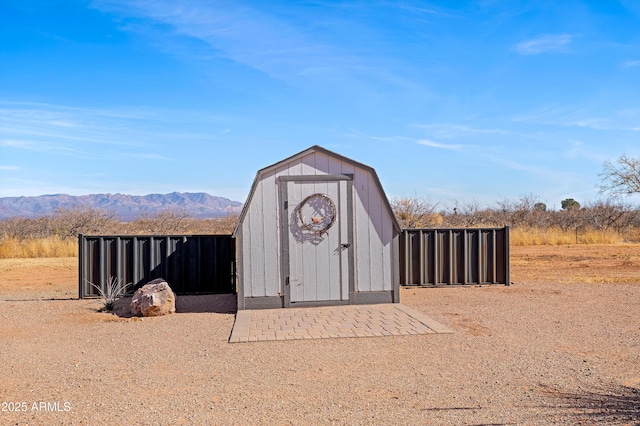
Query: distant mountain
[(126, 207)]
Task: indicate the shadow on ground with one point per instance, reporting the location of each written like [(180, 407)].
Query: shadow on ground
[(213, 303), (616, 406)]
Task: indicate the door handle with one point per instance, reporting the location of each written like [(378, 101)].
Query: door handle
[(345, 245)]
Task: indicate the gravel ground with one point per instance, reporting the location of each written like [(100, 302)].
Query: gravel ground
[(534, 353)]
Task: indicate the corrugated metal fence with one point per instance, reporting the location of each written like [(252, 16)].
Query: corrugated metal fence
[(199, 264), (438, 257), (191, 264)]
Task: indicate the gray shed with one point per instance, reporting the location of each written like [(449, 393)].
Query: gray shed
[(317, 229)]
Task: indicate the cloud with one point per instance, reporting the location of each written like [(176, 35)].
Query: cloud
[(583, 117), (543, 43), (282, 46), (631, 64), (15, 143), (632, 5), (432, 144), (241, 33), (9, 168), (450, 131), (579, 149), (149, 156), (61, 123)]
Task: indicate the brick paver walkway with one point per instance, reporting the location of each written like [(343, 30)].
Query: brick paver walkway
[(391, 319)]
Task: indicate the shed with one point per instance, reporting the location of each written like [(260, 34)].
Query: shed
[(317, 229)]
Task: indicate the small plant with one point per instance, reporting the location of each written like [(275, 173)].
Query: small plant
[(111, 292)]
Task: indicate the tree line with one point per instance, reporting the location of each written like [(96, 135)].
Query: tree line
[(525, 211), (619, 178), (68, 222), (613, 213)]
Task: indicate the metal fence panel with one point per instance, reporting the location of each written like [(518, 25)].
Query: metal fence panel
[(437, 257), (191, 264)]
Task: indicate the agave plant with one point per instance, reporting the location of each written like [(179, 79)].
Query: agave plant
[(112, 291)]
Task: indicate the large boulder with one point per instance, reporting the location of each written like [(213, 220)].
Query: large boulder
[(153, 299)]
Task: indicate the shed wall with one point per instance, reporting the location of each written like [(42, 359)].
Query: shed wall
[(259, 241)]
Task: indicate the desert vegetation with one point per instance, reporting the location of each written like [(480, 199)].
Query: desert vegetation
[(609, 220), (56, 235), (606, 221)]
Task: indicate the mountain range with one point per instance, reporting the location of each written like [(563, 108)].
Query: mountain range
[(126, 207)]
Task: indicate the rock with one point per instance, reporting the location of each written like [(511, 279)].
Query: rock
[(153, 299)]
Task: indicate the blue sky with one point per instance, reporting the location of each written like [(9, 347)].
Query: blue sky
[(451, 100)]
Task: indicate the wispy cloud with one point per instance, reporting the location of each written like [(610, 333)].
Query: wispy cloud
[(12, 143), (61, 123), (91, 134), (549, 174), (578, 149), (631, 64), (583, 116), (281, 46), (9, 168), (149, 156), (450, 131), (241, 33), (543, 43), (432, 144)]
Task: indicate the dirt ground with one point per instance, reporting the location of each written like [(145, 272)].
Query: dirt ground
[(559, 346), (57, 278)]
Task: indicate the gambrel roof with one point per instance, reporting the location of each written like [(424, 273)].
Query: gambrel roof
[(300, 155)]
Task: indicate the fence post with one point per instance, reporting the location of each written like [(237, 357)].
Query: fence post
[(80, 266), (507, 256)]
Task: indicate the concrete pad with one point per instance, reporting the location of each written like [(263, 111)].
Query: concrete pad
[(390, 319)]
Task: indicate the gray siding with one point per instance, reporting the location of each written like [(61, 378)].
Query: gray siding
[(259, 266)]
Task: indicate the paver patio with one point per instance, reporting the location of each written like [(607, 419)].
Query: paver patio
[(391, 319)]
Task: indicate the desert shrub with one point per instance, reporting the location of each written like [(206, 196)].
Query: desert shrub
[(169, 221), (416, 212), (111, 292), (601, 221), (68, 222), (468, 215)]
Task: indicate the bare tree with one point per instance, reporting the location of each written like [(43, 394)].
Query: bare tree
[(467, 214), (415, 212), (169, 221), (609, 214), (23, 228), (526, 210), (569, 218), (621, 177), (225, 225), (80, 219)]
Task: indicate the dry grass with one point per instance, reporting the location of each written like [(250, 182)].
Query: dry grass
[(37, 247), (577, 264), (556, 236), (57, 247)]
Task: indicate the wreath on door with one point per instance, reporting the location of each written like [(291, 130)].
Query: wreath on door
[(321, 213)]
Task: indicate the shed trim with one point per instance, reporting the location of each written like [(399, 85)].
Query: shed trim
[(284, 236)]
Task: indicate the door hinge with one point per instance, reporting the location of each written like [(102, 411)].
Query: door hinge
[(287, 280), (286, 205)]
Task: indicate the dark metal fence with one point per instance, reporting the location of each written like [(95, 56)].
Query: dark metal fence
[(191, 264), (440, 257), (201, 264)]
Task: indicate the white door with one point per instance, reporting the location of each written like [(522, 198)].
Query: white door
[(319, 243)]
